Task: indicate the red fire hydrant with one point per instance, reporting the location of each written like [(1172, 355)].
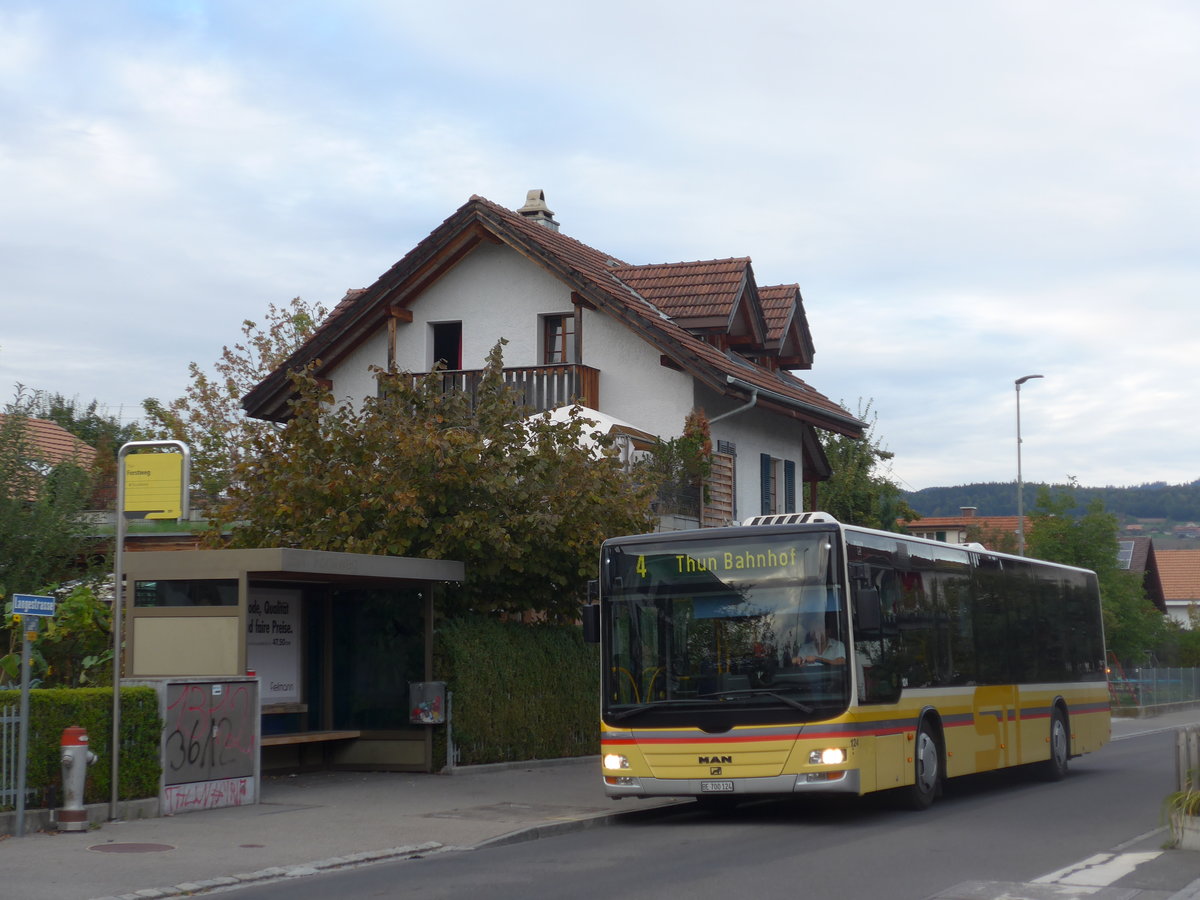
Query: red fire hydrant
[(76, 757)]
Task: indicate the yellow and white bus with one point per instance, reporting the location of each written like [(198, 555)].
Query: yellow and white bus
[(796, 654)]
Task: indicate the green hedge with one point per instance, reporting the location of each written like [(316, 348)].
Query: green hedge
[(51, 711), (520, 691)]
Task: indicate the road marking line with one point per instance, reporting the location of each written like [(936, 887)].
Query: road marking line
[(1099, 870)]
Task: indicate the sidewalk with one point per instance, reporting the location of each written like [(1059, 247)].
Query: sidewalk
[(311, 822)]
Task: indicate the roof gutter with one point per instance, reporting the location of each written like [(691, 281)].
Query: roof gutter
[(756, 391), (740, 409)]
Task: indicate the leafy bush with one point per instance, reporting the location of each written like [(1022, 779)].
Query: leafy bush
[(51, 711), (520, 691), (73, 647)]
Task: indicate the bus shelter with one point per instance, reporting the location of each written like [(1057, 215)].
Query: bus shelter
[(334, 640)]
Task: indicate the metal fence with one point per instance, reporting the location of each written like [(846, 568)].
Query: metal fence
[(1154, 686), (10, 724)]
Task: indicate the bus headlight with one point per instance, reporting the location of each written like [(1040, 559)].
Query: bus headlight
[(615, 761), (834, 756)]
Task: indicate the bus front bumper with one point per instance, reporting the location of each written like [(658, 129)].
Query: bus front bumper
[(844, 782)]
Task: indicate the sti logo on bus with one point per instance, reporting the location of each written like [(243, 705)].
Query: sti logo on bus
[(709, 760)]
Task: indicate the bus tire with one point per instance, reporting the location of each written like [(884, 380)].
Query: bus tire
[(1055, 768), (927, 769)]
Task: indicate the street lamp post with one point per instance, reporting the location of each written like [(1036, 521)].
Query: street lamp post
[(1020, 485)]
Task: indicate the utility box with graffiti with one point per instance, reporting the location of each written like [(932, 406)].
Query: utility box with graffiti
[(210, 741)]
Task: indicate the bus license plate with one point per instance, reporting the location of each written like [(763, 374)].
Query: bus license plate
[(716, 787)]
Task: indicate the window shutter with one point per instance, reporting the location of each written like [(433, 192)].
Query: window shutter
[(789, 486), (765, 476)]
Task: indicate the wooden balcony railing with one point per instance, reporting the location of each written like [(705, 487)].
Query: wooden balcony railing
[(538, 387)]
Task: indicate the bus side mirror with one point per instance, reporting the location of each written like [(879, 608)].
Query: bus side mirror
[(591, 623), (866, 610)]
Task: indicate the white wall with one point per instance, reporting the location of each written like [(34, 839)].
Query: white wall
[(634, 386), (1178, 610), (495, 292), (755, 432), (352, 379)]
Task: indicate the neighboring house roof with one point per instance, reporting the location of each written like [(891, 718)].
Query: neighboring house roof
[(989, 525), (47, 445), (1179, 571), (629, 294), (50, 444), (1143, 560)]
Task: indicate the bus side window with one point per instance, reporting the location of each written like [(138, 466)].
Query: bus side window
[(877, 681)]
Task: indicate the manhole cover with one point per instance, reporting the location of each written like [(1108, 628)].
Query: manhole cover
[(131, 848)]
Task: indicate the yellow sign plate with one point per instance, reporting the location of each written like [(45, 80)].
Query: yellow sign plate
[(154, 486)]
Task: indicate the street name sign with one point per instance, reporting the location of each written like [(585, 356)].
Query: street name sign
[(32, 605)]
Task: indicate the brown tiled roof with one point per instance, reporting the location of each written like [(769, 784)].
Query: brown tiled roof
[(778, 306), (1179, 571), (594, 276), (1141, 552), (52, 444), (1005, 524), (715, 294), (787, 324)]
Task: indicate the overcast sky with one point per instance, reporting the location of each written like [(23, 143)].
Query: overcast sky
[(965, 192)]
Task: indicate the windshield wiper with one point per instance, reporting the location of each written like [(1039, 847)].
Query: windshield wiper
[(617, 715), (763, 692)]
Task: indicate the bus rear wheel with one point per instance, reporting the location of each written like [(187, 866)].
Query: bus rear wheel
[(927, 770), (1055, 768)]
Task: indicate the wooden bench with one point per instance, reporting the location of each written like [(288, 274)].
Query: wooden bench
[(308, 737)]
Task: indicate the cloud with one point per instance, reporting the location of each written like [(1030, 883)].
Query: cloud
[(966, 193)]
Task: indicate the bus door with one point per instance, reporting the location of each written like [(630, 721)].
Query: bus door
[(997, 727), (874, 592)]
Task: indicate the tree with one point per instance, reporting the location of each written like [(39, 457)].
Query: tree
[(41, 530), (419, 471), (209, 416), (859, 492), (1132, 625), (681, 467), (104, 433)]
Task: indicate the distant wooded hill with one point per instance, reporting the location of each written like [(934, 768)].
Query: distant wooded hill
[(1176, 502)]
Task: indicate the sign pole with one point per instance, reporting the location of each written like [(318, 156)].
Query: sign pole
[(28, 623), (119, 593), (29, 609)]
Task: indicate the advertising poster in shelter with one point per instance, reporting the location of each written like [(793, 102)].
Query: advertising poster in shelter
[(273, 643)]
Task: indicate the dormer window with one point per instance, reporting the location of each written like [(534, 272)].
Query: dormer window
[(558, 339)]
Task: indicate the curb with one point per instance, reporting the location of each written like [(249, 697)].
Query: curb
[(583, 823), (190, 888)]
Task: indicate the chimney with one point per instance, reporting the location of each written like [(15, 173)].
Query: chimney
[(969, 511), (535, 208)]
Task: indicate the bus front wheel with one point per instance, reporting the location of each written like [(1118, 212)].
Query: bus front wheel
[(927, 769), (1055, 768)]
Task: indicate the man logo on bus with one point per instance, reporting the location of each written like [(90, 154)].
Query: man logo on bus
[(707, 760)]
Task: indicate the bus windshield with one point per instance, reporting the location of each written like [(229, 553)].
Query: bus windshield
[(753, 622)]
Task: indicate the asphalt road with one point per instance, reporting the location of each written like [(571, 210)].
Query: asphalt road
[(999, 827)]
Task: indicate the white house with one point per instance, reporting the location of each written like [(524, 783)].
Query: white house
[(642, 344)]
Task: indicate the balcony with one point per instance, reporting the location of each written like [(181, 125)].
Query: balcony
[(538, 387)]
